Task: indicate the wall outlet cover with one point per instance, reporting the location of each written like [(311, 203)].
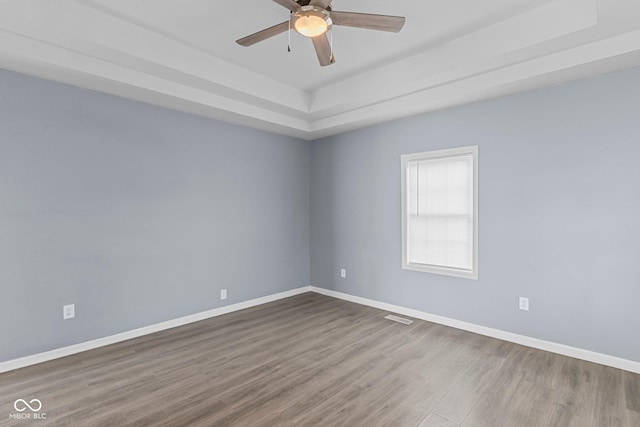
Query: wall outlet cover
[(343, 273), (524, 304), (68, 311), (223, 294)]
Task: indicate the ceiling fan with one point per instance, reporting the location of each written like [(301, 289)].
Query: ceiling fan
[(313, 18)]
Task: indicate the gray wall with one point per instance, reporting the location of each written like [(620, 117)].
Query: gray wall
[(136, 214), (559, 213), (139, 214)]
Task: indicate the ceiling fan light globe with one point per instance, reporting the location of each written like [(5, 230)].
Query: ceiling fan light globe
[(311, 25)]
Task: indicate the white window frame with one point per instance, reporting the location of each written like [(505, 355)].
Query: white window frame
[(447, 271)]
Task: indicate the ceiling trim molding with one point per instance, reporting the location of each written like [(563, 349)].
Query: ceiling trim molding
[(129, 58)]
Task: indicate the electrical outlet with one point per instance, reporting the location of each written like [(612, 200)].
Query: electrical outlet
[(223, 294), (68, 311), (343, 273), (524, 304)]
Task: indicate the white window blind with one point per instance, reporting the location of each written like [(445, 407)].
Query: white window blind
[(440, 211)]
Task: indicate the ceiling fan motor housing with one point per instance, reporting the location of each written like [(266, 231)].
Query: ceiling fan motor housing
[(307, 2)]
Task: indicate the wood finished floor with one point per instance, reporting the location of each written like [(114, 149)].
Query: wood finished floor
[(312, 360)]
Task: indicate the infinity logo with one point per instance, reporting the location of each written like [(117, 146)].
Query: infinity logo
[(24, 405)]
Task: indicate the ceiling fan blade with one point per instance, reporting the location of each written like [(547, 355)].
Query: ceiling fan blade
[(289, 4), (321, 3), (366, 20), (323, 50), (264, 34)]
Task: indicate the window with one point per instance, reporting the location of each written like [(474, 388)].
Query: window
[(440, 212)]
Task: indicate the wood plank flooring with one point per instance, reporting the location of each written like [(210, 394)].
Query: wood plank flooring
[(312, 360)]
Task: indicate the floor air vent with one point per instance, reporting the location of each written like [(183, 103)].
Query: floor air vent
[(398, 319)]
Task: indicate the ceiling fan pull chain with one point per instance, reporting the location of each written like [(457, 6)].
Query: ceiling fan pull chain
[(289, 46), (331, 45)]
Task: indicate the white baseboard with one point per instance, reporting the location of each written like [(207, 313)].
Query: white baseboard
[(565, 350), (590, 356), (112, 339)]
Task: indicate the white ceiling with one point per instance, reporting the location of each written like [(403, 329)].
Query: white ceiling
[(182, 54)]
